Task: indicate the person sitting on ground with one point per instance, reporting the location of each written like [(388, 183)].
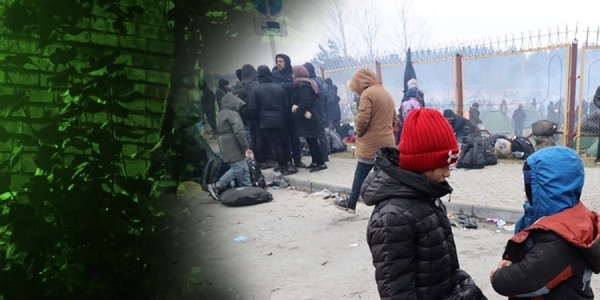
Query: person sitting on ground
[(409, 233), (555, 247), (233, 145), (461, 126)]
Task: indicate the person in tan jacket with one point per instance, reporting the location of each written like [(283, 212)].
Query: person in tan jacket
[(374, 125)]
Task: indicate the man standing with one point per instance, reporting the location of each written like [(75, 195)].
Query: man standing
[(282, 75), (474, 117), (518, 118), (597, 104), (207, 103)]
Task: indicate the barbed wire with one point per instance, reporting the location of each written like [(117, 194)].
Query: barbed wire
[(524, 41)]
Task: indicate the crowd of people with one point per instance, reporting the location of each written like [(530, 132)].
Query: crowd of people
[(271, 113), (404, 159)]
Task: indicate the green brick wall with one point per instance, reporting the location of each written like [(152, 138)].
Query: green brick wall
[(146, 49)]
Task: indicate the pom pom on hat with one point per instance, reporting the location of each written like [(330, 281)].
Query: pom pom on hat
[(428, 142)]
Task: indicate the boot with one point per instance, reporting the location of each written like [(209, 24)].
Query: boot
[(291, 168), (299, 164), (283, 170)]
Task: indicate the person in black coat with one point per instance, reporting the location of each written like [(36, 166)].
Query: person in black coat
[(268, 107), (222, 89), (409, 233), (462, 127), (282, 75), (334, 113), (306, 116)]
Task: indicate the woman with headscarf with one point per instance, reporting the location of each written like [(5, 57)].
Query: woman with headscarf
[(304, 109)]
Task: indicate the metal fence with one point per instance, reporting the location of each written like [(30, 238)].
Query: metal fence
[(538, 71)]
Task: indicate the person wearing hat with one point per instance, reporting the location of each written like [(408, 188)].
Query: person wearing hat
[(409, 233), (461, 126), (556, 245)]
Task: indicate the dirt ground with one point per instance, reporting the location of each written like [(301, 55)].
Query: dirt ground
[(299, 246)]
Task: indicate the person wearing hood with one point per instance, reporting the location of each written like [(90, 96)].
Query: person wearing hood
[(409, 233), (321, 109), (268, 107), (222, 89), (556, 246), (283, 76), (233, 146), (207, 103), (334, 114), (305, 112), (462, 127), (374, 127)]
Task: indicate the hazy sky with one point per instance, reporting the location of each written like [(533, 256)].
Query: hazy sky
[(443, 22)]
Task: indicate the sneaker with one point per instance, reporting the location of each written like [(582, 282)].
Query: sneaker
[(343, 205), (313, 165), (319, 168), (213, 191)]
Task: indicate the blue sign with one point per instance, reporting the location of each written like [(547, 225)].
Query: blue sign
[(274, 6)]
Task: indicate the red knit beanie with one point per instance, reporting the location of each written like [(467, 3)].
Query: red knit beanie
[(428, 142)]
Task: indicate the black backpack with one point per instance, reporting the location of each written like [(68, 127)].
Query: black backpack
[(521, 144), (472, 154), (488, 150), (256, 175), (213, 170)]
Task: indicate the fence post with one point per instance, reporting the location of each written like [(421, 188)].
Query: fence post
[(322, 72), (458, 79), (570, 133), (378, 71)]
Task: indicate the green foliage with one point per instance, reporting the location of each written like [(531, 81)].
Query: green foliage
[(83, 226)]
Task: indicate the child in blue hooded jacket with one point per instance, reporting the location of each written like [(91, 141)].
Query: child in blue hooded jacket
[(556, 246)]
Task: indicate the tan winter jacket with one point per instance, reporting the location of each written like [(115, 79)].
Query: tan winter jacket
[(376, 114)]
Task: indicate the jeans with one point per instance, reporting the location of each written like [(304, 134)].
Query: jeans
[(237, 169), (360, 174)]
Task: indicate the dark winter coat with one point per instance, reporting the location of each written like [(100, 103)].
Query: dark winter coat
[(306, 99), (333, 104), (461, 126), (557, 250), (322, 96), (409, 233), (519, 117), (232, 136), (222, 89), (597, 97), (267, 102), (284, 77)]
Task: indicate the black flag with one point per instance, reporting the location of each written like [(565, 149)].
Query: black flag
[(409, 71)]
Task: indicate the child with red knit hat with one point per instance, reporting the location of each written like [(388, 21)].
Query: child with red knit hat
[(409, 233)]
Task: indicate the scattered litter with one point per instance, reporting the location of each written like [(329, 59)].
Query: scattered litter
[(463, 221), (501, 223), (270, 253), (495, 220), (498, 231), (509, 227), (353, 245), (332, 196), (240, 238), (323, 193), (324, 263)]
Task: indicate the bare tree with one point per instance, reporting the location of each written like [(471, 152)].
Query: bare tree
[(336, 25), (411, 30), (368, 23)]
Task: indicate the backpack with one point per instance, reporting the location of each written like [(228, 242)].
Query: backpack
[(488, 150), (244, 196), (472, 154), (214, 168), (409, 105), (520, 144), (544, 128), (256, 175)]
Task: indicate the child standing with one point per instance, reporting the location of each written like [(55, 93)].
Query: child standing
[(233, 145), (409, 232)]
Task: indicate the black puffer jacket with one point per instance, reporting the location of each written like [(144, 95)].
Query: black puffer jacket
[(409, 234)]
